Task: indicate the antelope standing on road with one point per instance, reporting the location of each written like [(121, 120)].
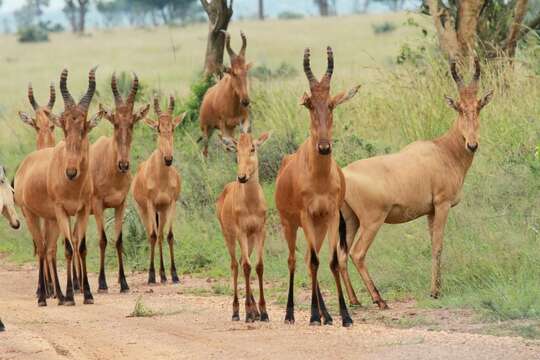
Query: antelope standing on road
[(309, 192), (109, 163), (225, 105), (156, 188), (241, 211), (55, 184), (425, 178)]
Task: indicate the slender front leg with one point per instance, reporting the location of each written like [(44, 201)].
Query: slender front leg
[(34, 227), (289, 231), (260, 271), (62, 220), (162, 218), (170, 240), (118, 221), (97, 207), (437, 223), (246, 266), (80, 231), (51, 236), (230, 242)]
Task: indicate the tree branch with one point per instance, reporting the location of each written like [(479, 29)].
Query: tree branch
[(520, 11), (206, 5)]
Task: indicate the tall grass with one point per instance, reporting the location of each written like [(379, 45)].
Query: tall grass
[(491, 257)]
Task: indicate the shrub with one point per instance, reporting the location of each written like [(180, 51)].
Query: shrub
[(33, 34), (385, 27), (289, 15), (283, 71)]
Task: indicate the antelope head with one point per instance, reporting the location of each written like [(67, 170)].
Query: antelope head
[(321, 104), (239, 69), (246, 152), (7, 206), (75, 125), (43, 121), (124, 119), (165, 125), (468, 106)]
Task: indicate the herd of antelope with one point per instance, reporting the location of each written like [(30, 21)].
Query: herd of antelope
[(76, 179)]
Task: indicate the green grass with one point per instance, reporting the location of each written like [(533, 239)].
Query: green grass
[(491, 258)]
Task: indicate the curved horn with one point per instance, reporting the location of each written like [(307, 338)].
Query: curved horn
[(171, 104), (114, 86), (31, 97), (134, 89), (231, 52), (87, 98), (157, 109), (476, 76), (244, 43), (52, 96), (307, 68), (68, 99), (455, 75), (330, 66)]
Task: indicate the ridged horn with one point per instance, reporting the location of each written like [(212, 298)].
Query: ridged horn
[(171, 104), (114, 86), (230, 51), (31, 97), (52, 96), (85, 101), (134, 90), (244, 43), (68, 99), (455, 74), (330, 65), (157, 108), (476, 76), (307, 68)]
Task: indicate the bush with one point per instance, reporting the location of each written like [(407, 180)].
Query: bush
[(283, 71), (289, 15), (33, 34), (385, 27)]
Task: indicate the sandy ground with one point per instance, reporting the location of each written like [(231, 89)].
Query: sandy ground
[(199, 327)]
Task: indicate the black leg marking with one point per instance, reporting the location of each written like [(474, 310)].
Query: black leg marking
[(152, 270), (42, 296), (344, 312), (289, 314), (102, 281), (2, 327), (69, 300), (315, 314), (343, 233), (121, 274)]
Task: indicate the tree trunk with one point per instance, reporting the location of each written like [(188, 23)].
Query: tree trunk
[(219, 16), (261, 9), (446, 30), (467, 23), (82, 16), (323, 7), (520, 11)]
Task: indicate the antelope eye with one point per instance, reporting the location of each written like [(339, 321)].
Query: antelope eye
[(252, 149)]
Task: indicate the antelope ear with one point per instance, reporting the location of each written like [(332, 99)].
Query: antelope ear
[(452, 103), (153, 124), (249, 66), (94, 121), (262, 139), (344, 96), (229, 143), (106, 113), (485, 99), (55, 120), (305, 100), (141, 114), (27, 119), (178, 120)]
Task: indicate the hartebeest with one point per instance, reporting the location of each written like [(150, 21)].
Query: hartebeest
[(55, 184), (225, 105), (156, 188), (43, 124), (310, 189), (425, 178), (7, 205), (109, 163), (241, 211)]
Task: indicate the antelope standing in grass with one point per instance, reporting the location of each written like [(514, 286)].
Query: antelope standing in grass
[(241, 211), (225, 105), (309, 192), (425, 178), (43, 124), (55, 184), (156, 188), (109, 163)]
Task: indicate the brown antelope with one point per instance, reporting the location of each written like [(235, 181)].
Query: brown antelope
[(241, 211), (7, 205), (425, 178), (55, 184), (225, 105), (43, 124), (310, 189), (109, 163), (156, 188)]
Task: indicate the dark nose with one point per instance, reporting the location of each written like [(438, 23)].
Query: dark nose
[(245, 102), (324, 148), (472, 147), (123, 166), (17, 225), (243, 179), (71, 173), (168, 160)]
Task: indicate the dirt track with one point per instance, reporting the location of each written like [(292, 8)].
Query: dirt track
[(194, 327)]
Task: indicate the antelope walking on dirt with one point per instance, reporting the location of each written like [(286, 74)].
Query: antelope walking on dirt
[(309, 192), (241, 211), (109, 163), (156, 188), (425, 178), (225, 105), (55, 184)]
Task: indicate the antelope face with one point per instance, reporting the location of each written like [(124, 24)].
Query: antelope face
[(247, 154), (238, 70), (75, 125), (43, 122), (321, 105), (165, 126), (468, 108), (123, 120), (7, 206)]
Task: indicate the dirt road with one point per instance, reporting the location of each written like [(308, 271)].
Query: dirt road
[(199, 327)]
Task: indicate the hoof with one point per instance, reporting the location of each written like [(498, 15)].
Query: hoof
[(236, 317), (61, 301), (42, 303), (382, 305), (175, 279), (88, 301), (249, 319), (355, 304), (315, 323), (69, 302), (347, 322), (163, 280), (103, 291), (124, 290), (264, 317)]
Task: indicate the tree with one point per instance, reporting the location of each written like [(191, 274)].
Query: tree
[(111, 11), (323, 6), (261, 9), (76, 11), (30, 13), (219, 15), (495, 25)]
